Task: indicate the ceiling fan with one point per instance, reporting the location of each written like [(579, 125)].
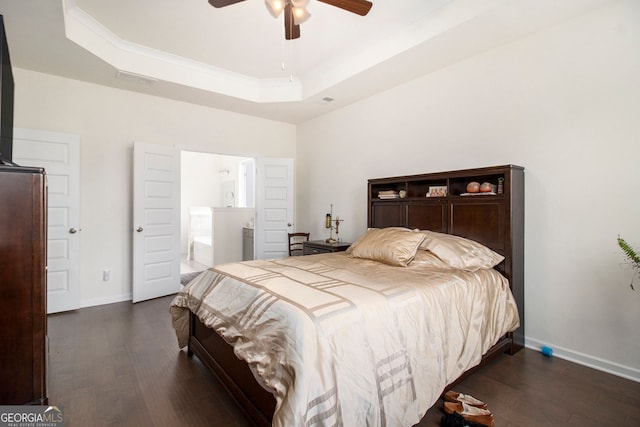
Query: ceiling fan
[(295, 12)]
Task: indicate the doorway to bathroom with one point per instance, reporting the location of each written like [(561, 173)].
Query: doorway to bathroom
[(217, 210), (157, 212)]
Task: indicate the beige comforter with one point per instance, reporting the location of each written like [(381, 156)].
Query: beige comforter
[(350, 342)]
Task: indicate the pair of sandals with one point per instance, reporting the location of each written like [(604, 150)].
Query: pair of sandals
[(465, 410)]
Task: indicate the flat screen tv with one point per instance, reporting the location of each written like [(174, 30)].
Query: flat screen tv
[(6, 99)]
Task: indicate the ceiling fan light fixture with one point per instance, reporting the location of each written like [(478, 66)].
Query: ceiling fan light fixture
[(275, 7), (300, 15), (295, 11)]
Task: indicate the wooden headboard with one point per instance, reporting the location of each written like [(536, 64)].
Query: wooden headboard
[(440, 202)]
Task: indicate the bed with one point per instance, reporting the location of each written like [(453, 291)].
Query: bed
[(313, 332)]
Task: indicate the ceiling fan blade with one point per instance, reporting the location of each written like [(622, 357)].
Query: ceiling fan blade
[(223, 3), (360, 7), (291, 30)]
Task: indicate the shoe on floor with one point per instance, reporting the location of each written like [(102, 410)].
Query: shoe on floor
[(470, 413), (454, 396), (456, 420)]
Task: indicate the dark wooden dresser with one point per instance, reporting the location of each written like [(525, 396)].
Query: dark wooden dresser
[(23, 286)]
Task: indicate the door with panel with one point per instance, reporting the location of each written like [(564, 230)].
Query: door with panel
[(156, 221), (274, 207), (59, 155)]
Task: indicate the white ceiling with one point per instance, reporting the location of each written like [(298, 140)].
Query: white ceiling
[(232, 58)]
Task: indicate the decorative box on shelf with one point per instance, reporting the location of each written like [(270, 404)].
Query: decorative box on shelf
[(437, 191)]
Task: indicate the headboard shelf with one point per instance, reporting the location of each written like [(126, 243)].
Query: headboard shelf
[(495, 219)]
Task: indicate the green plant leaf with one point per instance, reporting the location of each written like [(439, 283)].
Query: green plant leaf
[(631, 255)]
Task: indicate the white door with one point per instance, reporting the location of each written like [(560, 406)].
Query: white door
[(59, 155), (156, 221), (274, 207)]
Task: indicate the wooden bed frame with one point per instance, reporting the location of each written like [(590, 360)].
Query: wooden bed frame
[(494, 220)]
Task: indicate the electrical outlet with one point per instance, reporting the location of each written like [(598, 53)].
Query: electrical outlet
[(106, 275)]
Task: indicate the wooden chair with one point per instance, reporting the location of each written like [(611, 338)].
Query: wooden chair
[(296, 243)]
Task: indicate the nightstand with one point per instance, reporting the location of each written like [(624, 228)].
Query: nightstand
[(313, 247)]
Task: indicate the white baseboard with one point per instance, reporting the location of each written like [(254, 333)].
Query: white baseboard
[(101, 301), (607, 366)]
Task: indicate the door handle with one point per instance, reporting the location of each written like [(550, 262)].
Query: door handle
[(139, 229), (73, 230), (289, 224)]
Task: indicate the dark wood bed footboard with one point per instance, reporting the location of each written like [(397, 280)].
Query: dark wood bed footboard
[(234, 373), (238, 379)]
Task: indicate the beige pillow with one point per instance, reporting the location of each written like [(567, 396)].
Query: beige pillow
[(461, 253), (427, 260), (394, 246)]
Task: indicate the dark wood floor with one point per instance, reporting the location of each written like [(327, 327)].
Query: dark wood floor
[(119, 365)]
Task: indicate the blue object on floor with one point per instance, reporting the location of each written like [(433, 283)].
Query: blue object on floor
[(547, 351)]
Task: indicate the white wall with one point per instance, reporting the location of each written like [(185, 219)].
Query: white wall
[(563, 103), (227, 233), (108, 121)]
